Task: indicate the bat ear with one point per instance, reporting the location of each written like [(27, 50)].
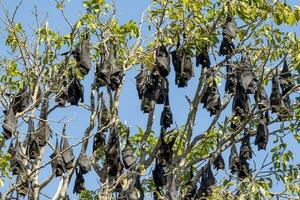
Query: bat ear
[(84, 163), (234, 159)]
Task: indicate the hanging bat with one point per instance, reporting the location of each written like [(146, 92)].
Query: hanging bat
[(104, 115), (62, 97), (207, 182), (33, 148), (67, 154), (286, 79), (234, 160), (99, 141), (43, 134), (262, 134), (79, 182), (141, 79), (212, 100), (135, 190), (261, 99), (247, 77), (241, 104), (23, 184), (246, 150), (231, 80), (127, 153), (244, 171), (163, 61), (203, 58), (57, 162), (17, 164), (82, 55), (20, 101), (219, 162), (113, 153), (10, 123), (190, 189), (229, 32), (159, 176), (84, 163), (166, 152), (75, 92), (163, 91), (117, 73), (166, 118)]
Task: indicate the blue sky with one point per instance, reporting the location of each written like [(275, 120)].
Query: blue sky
[(129, 102)]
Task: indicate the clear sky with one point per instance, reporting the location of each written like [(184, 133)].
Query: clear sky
[(129, 103)]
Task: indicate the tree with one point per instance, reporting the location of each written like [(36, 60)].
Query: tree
[(244, 48)]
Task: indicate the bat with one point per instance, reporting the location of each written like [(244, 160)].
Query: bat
[(247, 77), (135, 190), (231, 80), (17, 164), (207, 182), (99, 141), (286, 79), (75, 92), (84, 60), (166, 118), (23, 184), (183, 67), (33, 148), (62, 97), (117, 73), (67, 154), (113, 153), (104, 115), (166, 152), (262, 134), (163, 61), (244, 171), (43, 134), (163, 89), (229, 32), (20, 101), (159, 176), (141, 79), (127, 153), (57, 162), (241, 104), (190, 189), (84, 163), (234, 160), (219, 162), (10, 123), (203, 58), (212, 100), (245, 149), (79, 182), (261, 99)]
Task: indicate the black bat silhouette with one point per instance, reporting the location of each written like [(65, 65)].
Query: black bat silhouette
[(234, 160), (79, 182), (262, 134), (163, 61), (57, 163), (219, 162), (10, 123), (84, 163)]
